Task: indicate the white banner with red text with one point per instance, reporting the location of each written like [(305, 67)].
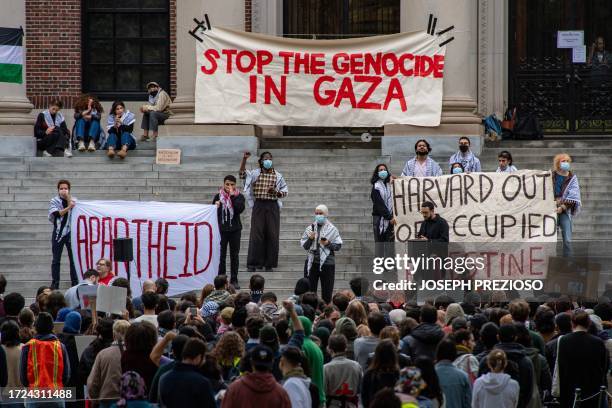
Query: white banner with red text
[(361, 82), (176, 241)]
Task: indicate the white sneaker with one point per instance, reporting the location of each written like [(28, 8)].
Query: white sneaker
[(47, 154), (92, 146), (81, 146), (67, 153)]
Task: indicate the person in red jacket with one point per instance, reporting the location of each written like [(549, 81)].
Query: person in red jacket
[(259, 388)]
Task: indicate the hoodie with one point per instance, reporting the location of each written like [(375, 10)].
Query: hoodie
[(314, 355), (297, 386), (495, 390), (256, 390), (423, 340)]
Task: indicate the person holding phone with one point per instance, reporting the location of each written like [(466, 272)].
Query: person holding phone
[(59, 215), (263, 187), (321, 239)]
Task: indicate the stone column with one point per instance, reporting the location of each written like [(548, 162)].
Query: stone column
[(16, 121), (180, 130), (460, 95)]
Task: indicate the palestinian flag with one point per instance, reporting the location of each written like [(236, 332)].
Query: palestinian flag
[(11, 55)]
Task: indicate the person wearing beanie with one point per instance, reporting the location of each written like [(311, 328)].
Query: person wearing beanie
[(347, 327), (453, 311), (397, 316), (72, 328), (322, 240), (61, 315)]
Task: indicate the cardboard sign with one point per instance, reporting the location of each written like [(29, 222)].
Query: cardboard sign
[(87, 294), (168, 156), (82, 342), (111, 299)]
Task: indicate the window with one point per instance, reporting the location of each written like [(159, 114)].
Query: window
[(331, 19), (126, 44)]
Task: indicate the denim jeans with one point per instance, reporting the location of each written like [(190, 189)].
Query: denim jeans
[(152, 120), (87, 130), (126, 139), (565, 223)]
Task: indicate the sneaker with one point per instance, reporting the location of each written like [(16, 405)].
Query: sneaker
[(144, 138), (92, 146), (47, 154), (81, 146), (110, 153), (67, 153)]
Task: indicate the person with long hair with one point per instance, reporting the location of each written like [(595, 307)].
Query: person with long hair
[(51, 133), (229, 351), (11, 344), (382, 204), (383, 371), (496, 388), (356, 311), (140, 339), (422, 165), (504, 158), (433, 390), (263, 189), (120, 126), (567, 197), (87, 115)]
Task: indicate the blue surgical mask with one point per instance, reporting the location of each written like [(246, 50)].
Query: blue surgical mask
[(383, 174), (565, 166), (319, 218), (457, 170), (267, 164)]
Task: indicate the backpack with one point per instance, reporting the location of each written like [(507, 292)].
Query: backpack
[(314, 395)]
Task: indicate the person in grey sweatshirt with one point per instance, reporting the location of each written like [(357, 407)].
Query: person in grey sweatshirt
[(496, 388)]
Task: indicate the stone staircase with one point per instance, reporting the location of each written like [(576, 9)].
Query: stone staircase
[(336, 177)]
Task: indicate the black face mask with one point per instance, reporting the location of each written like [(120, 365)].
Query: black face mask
[(419, 153), (153, 93), (464, 148)]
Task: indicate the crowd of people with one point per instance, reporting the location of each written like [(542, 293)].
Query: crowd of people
[(229, 348), (54, 138)]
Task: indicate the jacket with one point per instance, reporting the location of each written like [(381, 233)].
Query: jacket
[(342, 380), (234, 224), (314, 355), (38, 366), (422, 341), (542, 377), (455, 385), (256, 390), (374, 381), (13, 357), (297, 386), (519, 367), (184, 386), (105, 377), (162, 104), (467, 362), (495, 390)]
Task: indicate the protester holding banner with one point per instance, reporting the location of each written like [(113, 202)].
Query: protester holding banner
[(59, 215), (567, 196), (504, 158), (230, 204), (321, 239), (457, 168), (468, 160), (51, 133), (382, 204), (263, 187), (120, 125), (422, 165)]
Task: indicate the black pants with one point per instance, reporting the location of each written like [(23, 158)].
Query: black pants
[(233, 240), (57, 248), (265, 232), (54, 143), (326, 275)]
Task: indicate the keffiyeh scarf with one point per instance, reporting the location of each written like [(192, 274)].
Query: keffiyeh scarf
[(385, 192), (227, 207), (432, 168), (59, 118), (126, 119), (327, 230), (468, 161)]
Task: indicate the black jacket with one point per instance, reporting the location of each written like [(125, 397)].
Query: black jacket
[(422, 341), (184, 386), (40, 127), (233, 224), (519, 368), (378, 205), (435, 230)]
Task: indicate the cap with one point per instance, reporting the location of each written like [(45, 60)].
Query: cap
[(152, 83), (262, 356)]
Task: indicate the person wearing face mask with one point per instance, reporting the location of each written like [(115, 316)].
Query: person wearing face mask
[(263, 188), (457, 168), (422, 165), (504, 158), (321, 239), (470, 163), (59, 215), (567, 197), (383, 221), (230, 204), (51, 133), (156, 111)]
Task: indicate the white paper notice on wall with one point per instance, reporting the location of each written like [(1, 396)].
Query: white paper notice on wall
[(579, 54), (570, 39)]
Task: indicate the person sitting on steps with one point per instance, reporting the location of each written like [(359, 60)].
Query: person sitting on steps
[(87, 114), (120, 126), (156, 111)]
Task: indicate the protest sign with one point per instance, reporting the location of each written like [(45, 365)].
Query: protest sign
[(506, 220), (87, 294), (82, 342), (111, 299), (176, 241), (373, 81)]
